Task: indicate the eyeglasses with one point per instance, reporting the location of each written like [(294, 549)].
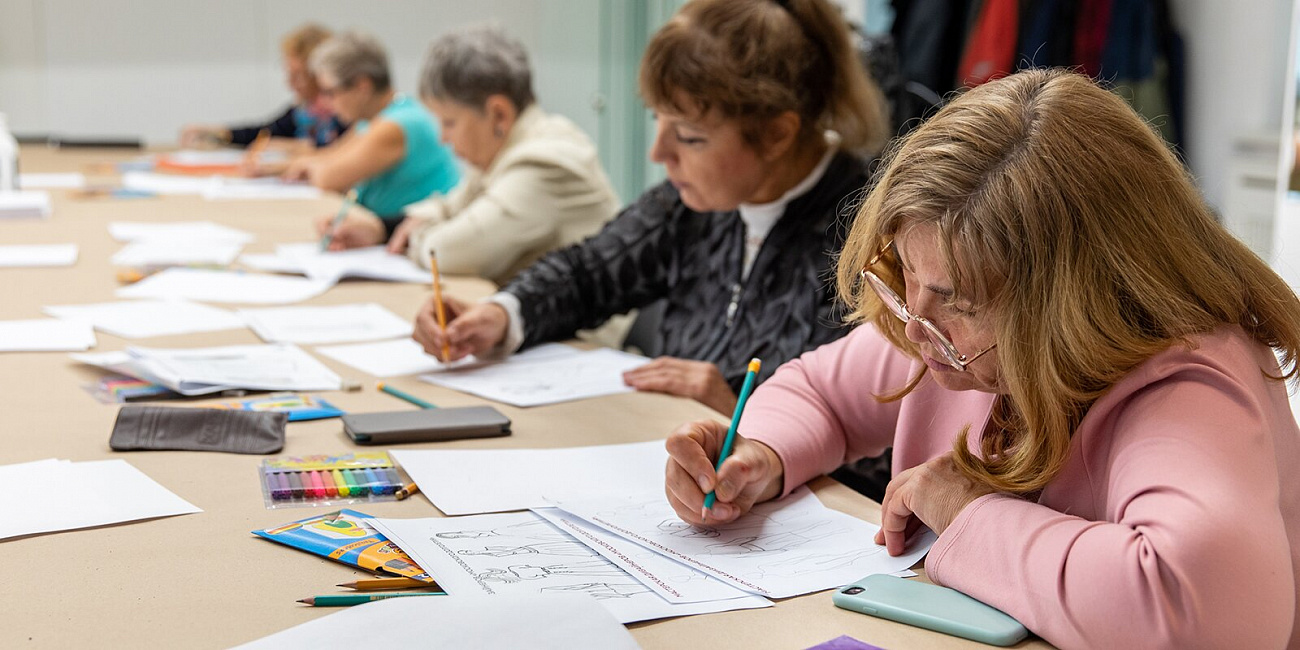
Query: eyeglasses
[(333, 91), (898, 307)]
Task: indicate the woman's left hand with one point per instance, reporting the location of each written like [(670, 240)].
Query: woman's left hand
[(933, 494), (698, 380)]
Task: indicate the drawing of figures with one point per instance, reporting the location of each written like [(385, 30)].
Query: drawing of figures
[(679, 528), (535, 529), (604, 590), (773, 542), (519, 572), (566, 549)]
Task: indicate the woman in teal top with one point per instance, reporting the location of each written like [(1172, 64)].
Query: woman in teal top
[(392, 155)]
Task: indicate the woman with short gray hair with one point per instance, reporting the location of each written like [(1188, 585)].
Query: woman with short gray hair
[(391, 156), (539, 186)]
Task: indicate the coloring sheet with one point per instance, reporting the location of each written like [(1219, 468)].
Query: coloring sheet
[(674, 581), (521, 553), (332, 324), (781, 548)]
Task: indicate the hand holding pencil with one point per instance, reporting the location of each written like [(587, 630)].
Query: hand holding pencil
[(470, 328)]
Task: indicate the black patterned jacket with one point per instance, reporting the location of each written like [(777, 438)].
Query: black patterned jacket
[(659, 248)]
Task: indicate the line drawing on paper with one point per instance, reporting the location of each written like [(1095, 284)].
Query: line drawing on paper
[(520, 572), (565, 549), (604, 590)]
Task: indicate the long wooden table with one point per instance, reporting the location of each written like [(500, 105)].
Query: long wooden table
[(202, 580)]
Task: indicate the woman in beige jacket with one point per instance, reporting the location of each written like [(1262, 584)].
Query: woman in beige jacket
[(536, 182)]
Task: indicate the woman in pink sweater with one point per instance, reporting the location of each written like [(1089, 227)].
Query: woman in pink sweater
[(1071, 360)]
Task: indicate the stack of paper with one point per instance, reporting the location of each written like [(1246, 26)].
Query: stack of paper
[(335, 324), (144, 318), (38, 255), (543, 375), (373, 263), (45, 335), (24, 205), (63, 495), (200, 371), (176, 253), (223, 286), (259, 189)]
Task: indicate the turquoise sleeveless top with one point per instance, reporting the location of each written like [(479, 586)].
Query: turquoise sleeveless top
[(427, 167)]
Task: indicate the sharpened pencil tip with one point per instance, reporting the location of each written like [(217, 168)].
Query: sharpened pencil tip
[(309, 601)]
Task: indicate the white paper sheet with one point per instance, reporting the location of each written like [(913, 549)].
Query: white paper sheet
[(176, 253), (174, 231), (259, 189), (199, 371), (166, 184), (333, 324), (779, 549), (520, 552), (673, 581), (224, 287), (136, 319), (461, 623), (468, 481), (70, 181), (24, 205), (385, 358), (575, 374), (45, 335), (80, 495), (373, 263), (38, 255)]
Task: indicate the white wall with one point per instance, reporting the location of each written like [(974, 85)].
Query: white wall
[(145, 67), (1237, 54)]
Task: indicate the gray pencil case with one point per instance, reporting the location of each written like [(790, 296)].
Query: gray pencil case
[(198, 429)]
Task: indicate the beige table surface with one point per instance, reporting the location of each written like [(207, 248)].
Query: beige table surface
[(203, 580)]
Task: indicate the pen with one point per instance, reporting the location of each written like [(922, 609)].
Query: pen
[(346, 600), (371, 584), (348, 200), (745, 390), (401, 394), (438, 308)]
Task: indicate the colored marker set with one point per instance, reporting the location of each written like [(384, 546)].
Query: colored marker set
[(321, 480)]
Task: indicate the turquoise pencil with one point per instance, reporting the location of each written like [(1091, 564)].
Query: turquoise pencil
[(745, 390), (401, 394)]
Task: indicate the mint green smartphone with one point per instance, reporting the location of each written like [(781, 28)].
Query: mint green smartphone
[(930, 606)]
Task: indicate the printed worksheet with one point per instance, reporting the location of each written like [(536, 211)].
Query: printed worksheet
[(672, 580), (521, 553), (332, 324), (779, 549)]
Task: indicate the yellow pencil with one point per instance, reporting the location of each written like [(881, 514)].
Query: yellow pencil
[(438, 308), (373, 584), (407, 490)]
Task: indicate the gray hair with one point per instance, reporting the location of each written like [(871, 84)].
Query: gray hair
[(350, 56), (471, 65)]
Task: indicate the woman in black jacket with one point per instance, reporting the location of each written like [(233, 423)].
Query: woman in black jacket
[(765, 118)]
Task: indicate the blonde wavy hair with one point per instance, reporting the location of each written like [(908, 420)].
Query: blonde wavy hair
[(1066, 217)]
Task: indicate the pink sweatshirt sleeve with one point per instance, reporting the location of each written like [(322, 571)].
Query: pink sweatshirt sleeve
[(1188, 549), (817, 412)]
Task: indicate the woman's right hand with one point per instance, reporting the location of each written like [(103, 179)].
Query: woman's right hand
[(358, 230), (471, 329), (751, 474)]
